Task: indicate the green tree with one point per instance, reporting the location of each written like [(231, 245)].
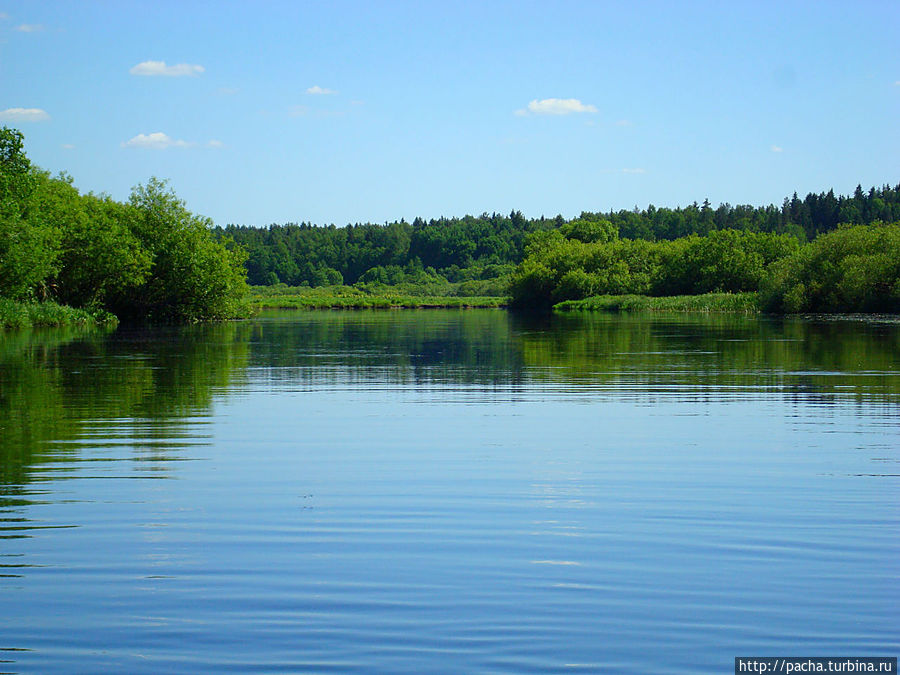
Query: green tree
[(589, 230), (28, 246), (101, 262), (193, 276)]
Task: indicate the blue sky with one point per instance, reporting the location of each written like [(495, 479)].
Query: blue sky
[(335, 112)]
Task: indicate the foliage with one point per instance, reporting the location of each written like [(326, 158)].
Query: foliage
[(589, 229), (456, 249), (357, 297), (193, 276), (152, 258), (747, 303), (474, 247), (15, 314), (853, 269), (726, 261), (101, 262), (28, 245), (149, 258)]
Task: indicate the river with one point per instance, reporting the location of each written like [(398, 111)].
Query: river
[(449, 491)]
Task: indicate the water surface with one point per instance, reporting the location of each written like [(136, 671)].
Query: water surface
[(449, 491)]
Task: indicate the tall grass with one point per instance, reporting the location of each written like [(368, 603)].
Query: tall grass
[(348, 297), (747, 303), (28, 314)]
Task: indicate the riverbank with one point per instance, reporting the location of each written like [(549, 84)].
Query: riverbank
[(14, 315), (745, 303), (347, 297)]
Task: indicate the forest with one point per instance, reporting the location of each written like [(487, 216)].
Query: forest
[(87, 256), (489, 245), (822, 253)]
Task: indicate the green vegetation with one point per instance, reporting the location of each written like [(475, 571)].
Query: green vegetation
[(557, 268), (349, 297), (854, 269), (14, 314), (489, 246), (747, 303), (655, 252), (149, 258)]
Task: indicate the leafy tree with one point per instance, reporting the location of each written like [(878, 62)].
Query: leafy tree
[(101, 262), (193, 276), (589, 230), (28, 246)]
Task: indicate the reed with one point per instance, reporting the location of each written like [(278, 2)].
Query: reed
[(15, 315), (747, 303)]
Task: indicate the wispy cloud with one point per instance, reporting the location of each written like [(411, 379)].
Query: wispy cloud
[(24, 115), (556, 106), (155, 141), (215, 144), (67, 146), (776, 148), (624, 123), (320, 91), (29, 28), (298, 110), (637, 170), (159, 68), (3, 15)]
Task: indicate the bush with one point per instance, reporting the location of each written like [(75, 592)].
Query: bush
[(853, 269)]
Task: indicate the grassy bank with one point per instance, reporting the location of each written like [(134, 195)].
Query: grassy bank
[(28, 314), (347, 297), (747, 303)]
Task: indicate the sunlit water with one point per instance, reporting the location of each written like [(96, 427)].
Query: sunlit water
[(449, 491)]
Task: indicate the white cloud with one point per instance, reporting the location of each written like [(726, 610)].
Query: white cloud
[(155, 68), (556, 106), (155, 141), (30, 28), (24, 115), (317, 90), (776, 148), (67, 146), (634, 170), (624, 123), (215, 144)]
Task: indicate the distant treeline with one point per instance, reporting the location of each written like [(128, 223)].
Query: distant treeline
[(489, 245), (148, 258)]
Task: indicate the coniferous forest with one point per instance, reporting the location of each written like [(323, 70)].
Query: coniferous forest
[(151, 258)]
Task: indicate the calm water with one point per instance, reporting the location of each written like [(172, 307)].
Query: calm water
[(442, 491)]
